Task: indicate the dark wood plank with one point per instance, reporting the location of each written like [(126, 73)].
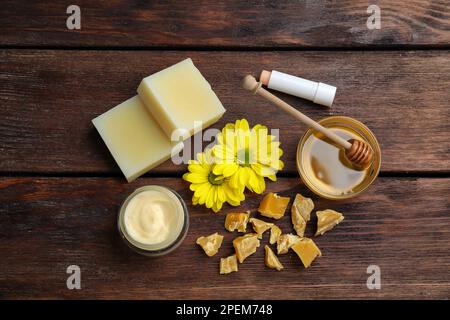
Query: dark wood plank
[(48, 99), (226, 23), (47, 224)]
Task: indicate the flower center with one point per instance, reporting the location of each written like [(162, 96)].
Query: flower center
[(212, 178), (243, 157)]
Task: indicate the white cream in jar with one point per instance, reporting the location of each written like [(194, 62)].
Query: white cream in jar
[(153, 220)]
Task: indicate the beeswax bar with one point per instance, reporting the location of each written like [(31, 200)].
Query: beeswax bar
[(134, 138), (179, 96)]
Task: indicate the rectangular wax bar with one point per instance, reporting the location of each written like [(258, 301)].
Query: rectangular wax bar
[(134, 138), (178, 96)]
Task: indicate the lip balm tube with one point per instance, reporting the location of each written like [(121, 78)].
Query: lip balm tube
[(317, 92)]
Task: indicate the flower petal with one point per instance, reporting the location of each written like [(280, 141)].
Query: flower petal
[(243, 176), (254, 182), (226, 170), (195, 177), (217, 206), (263, 170), (234, 196), (202, 192), (210, 197), (221, 196), (197, 168), (242, 124), (230, 169), (224, 154)]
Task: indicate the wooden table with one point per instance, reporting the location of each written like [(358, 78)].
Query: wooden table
[(60, 189)]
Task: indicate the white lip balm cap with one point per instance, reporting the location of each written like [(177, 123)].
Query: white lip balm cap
[(324, 94), (317, 92)]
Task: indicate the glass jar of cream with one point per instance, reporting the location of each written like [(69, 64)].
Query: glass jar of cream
[(153, 220)]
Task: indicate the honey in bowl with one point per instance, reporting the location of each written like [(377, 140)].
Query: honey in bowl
[(323, 165)]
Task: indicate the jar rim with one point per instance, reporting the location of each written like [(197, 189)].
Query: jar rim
[(133, 244), (366, 134)]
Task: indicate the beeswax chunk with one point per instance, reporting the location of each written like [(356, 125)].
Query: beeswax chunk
[(178, 96), (307, 251), (272, 260), (210, 244), (285, 242), (275, 233), (228, 264), (134, 138), (236, 221), (326, 220), (303, 206), (273, 206), (260, 226), (300, 213), (245, 246)]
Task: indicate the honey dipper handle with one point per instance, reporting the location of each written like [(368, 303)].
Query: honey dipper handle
[(251, 84)]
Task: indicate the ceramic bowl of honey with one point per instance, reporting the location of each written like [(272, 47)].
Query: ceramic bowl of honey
[(323, 166)]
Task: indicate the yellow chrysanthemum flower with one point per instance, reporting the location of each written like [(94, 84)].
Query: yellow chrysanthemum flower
[(210, 189), (246, 156)]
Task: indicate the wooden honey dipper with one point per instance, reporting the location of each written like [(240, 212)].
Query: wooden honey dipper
[(357, 151)]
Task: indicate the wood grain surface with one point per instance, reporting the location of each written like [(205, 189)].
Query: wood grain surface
[(402, 225), (60, 189), (48, 99), (234, 23)]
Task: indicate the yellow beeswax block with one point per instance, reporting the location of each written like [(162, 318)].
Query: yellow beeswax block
[(307, 251), (228, 264), (179, 96), (273, 206), (134, 138), (272, 260)]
